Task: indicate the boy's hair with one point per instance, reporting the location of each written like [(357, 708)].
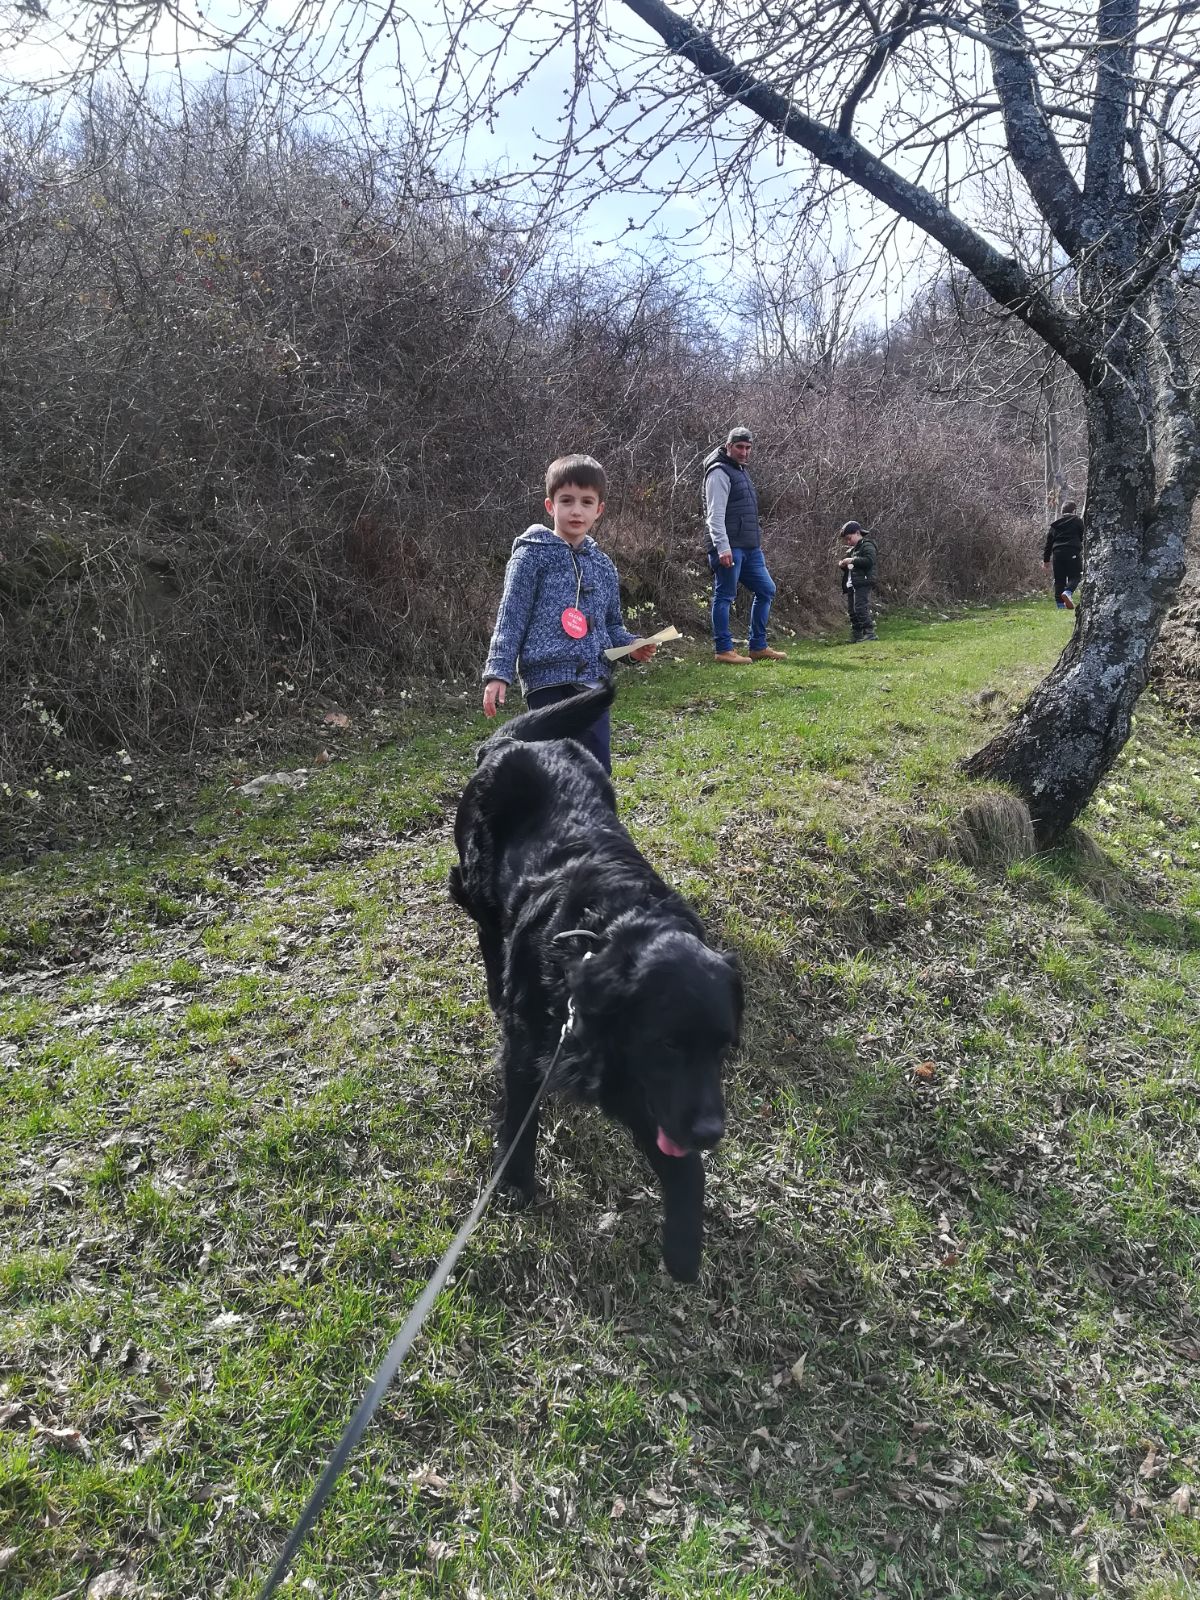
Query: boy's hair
[(581, 472), (1068, 507)]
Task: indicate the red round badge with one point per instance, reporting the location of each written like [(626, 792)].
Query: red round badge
[(574, 623)]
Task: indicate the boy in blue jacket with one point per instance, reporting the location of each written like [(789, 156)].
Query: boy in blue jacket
[(561, 606)]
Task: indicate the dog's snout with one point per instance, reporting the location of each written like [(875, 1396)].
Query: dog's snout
[(707, 1131)]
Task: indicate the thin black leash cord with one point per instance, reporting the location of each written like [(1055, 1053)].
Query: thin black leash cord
[(399, 1348)]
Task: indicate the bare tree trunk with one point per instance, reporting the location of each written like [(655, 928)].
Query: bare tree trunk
[(1122, 225), (1071, 729)]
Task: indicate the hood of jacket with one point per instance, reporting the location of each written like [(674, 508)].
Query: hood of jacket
[(537, 533), (1068, 527)]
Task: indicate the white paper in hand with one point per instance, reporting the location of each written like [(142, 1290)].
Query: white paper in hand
[(662, 637)]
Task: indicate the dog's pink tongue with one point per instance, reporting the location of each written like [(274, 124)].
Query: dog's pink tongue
[(668, 1146)]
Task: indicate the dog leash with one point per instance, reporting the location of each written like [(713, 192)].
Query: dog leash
[(402, 1344)]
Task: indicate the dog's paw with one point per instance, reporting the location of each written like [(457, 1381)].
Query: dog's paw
[(516, 1193), (682, 1260)]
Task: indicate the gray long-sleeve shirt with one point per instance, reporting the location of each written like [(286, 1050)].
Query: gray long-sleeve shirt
[(716, 498)]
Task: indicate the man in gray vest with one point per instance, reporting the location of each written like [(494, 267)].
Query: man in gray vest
[(735, 549)]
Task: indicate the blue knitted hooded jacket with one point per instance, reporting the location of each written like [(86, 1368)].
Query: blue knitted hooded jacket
[(540, 582)]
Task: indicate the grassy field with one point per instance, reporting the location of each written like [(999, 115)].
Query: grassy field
[(947, 1337)]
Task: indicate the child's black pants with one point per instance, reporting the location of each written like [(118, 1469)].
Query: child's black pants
[(597, 738), (858, 604)]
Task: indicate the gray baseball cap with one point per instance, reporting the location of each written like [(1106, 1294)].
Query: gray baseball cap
[(740, 436)]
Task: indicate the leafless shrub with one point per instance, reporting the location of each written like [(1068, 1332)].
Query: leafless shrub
[(272, 409)]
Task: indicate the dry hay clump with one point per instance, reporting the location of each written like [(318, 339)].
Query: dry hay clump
[(994, 830), (1175, 665)]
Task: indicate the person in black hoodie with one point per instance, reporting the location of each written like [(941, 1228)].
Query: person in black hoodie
[(1064, 553), (858, 569)]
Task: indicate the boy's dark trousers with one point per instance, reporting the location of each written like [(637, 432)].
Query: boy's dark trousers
[(597, 738), (1068, 570), (858, 604)]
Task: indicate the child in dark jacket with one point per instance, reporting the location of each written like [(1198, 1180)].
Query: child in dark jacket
[(561, 606), (1064, 553), (858, 579)]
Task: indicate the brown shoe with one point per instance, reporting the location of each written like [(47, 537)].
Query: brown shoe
[(731, 658), (767, 655)]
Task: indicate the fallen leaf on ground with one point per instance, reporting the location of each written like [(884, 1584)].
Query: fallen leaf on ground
[(69, 1439), (427, 1478), (7, 1556), (275, 780), (115, 1585)]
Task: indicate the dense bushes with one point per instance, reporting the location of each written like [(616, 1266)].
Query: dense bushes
[(272, 410)]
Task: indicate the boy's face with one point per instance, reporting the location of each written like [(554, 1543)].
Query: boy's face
[(574, 512)]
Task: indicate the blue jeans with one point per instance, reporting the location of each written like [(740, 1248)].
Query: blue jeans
[(597, 738), (749, 568)]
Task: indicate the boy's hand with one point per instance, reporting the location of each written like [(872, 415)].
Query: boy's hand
[(846, 561), (727, 559), (494, 691), (643, 653)]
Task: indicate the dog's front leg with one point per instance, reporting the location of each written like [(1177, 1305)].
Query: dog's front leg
[(491, 947), (518, 1086), (682, 1181)]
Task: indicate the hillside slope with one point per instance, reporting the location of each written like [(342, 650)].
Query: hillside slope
[(947, 1333)]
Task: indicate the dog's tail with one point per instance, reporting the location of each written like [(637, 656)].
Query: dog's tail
[(565, 720)]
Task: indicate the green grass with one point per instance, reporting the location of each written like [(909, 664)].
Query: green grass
[(945, 1341)]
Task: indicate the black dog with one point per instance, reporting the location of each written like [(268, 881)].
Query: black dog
[(573, 919)]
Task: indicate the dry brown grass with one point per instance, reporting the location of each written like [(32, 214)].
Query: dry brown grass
[(994, 830)]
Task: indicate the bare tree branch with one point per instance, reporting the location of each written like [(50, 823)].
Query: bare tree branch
[(1031, 142), (1003, 278)]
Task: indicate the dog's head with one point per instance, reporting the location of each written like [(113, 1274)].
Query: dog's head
[(662, 1012)]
